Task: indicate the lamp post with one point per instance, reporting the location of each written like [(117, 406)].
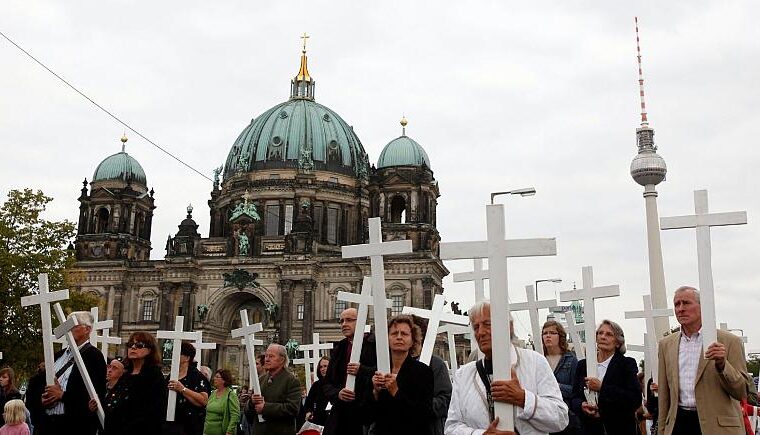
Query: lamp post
[(526, 191), (557, 280)]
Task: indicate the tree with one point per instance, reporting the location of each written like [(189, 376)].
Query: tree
[(30, 245)]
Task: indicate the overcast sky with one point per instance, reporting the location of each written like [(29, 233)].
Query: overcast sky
[(502, 95)]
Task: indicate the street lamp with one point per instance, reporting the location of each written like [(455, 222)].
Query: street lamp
[(546, 280), (527, 191)]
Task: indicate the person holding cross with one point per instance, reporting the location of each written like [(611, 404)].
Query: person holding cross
[(280, 396), (67, 401), (532, 390), (699, 394)]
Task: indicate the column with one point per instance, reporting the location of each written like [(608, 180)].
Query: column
[(308, 310), (286, 309)]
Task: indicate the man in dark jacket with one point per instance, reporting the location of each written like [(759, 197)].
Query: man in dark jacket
[(345, 417), (280, 396)]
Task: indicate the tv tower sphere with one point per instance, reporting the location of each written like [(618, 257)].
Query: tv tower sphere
[(648, 168)]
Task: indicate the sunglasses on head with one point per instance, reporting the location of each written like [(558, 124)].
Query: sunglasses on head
[(137, 345)]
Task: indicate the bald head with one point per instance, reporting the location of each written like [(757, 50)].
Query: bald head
[(347, 322)]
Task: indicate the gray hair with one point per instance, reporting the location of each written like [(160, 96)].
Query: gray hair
[(684, 288), (618, 331), (482, 306), (282, 351), (83, 318)]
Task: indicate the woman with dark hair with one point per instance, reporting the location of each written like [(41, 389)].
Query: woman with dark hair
[(402, 401), (223, 407), (315, 405), (192, 393), (564, 364), (8, 390), (617, 386), (143, 407)]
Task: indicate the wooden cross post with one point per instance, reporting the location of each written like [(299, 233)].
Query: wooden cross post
[(702, 220), (497, 250), (364, 299), (64, 330), (724, 327), (588, 294), (44, 298), (478, 276), (650, 340), (311, 353), (200, 345), (177, 335), (247, 331), (375, 250), (451, 330), (105, 340), (574, 329), (532, 306), (105, 326), (435, 316)]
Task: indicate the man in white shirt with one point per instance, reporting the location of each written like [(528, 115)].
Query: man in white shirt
[(533, 390)]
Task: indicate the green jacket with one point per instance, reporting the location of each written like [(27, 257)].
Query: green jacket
[(231, 416), (282, 399)]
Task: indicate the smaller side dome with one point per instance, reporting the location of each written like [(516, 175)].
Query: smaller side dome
[(120, 166), (403, 151)]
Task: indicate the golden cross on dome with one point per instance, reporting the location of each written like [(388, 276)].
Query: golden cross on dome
[(304, 37)]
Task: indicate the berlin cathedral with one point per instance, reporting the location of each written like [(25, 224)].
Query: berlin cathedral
[(297, 185)]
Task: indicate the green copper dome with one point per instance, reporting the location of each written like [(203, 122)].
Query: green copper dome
[(403, 151), (120, 166)]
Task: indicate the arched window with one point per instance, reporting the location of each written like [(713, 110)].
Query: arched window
[(139, 224), (398, 209), (101, 226), (148, 306)]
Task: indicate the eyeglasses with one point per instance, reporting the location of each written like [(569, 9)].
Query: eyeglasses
[(342, 321), (138, 345)]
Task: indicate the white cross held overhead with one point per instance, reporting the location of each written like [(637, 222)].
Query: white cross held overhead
[(650, 341), (200, 345), (435, 316), (44, 299), (724, 327), (64, 330), (532, 306), (375, 250), (702, 220), (574, 329), (311, 353), (588, 294), (478, 276), (247, 331), (497, 249), (451, 330), (176, 335)]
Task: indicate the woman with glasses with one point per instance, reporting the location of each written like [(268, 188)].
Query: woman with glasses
[(223, 407), (563, 363)]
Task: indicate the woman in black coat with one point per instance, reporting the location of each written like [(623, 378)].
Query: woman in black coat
[(619, 393), (401, 401)]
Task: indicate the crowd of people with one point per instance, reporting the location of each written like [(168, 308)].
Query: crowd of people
[(695, 393)]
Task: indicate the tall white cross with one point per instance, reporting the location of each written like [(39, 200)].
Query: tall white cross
[(98, 325), (200, 345), (176, 335), (478, 276), (497, 250), (64, 330), (105, 340), (364, 300), (435, 316), (44, 298), (451, 330), (311, 353), (532, 306), (375, 250), (247, 331), (574, 329), (702, 220), (650, 341), (724, 327), (588, 294)]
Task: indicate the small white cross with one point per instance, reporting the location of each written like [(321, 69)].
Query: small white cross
[(247, 331), (435, 316), (451, 330), (574, 329), (650, 341), (532, 306), (478, 276), (200, 345), (99, 325), (311, 353), (176, 335)]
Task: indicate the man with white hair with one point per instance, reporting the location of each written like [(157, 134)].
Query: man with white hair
[(533, 390), (280, 397), (66, 401)]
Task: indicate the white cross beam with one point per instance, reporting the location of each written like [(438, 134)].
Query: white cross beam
[(702, 220), (451, 330), (532, 306), (64, 330), (44, 299), (364, 300), (497, 249), (311, 353), (574, 329), (724, 327), (650, 341), (247, 331), (478, 276), (375, 250), (176, 335), (200, 345), (98, 325), (106, 340), (435, 316)]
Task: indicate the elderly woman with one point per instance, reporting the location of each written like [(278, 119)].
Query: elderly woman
[(619, 393), (402, 401), (564, 364), (192, 393), (223, 407)]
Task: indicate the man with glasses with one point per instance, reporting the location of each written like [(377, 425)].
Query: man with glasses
[(344, 416)]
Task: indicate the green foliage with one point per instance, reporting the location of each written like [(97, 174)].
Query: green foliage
[(753, 364), (30, 245)]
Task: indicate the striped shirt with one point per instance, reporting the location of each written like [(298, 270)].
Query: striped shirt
[(63, 380), (689, 352)]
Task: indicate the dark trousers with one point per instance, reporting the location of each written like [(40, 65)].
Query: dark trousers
[(687, 423)]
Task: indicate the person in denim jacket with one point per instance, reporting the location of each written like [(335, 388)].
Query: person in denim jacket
[(563, 363)]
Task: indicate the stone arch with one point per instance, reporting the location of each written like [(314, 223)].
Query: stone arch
[(398, 209), (102, 218), (225, 304)]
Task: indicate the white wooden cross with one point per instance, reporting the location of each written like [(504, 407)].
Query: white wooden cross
[(44, 299), (724, 327), (105, 340), (200, 345), (497, 250), (588, 294), (246, 331), (364, 300), (176, 335), (532, 306), (574, 329), (478, 276), (451, 330), (64, 330), (311, 353), (650, 341), (99, 325), (702, 220), (375, 250), (435, 316)]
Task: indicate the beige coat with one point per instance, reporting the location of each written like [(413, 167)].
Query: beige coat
[(717, 393)]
